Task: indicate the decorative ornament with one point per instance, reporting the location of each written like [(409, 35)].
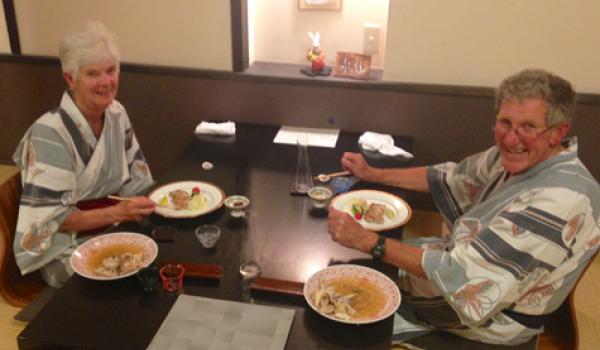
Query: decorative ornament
[(316, 57)]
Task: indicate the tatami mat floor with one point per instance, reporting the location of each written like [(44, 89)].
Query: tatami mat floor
[(587, 302)]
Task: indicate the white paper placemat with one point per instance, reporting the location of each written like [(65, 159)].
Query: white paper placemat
[(315, 136), (204, 323)]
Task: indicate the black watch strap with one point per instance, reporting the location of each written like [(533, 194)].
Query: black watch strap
[(378, 250)]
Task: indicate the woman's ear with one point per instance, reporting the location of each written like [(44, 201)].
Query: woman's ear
[(69, 80)]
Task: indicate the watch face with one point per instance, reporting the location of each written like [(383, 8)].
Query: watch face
[(378, 249)]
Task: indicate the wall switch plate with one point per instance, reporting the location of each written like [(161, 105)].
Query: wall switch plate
[(371, 38)]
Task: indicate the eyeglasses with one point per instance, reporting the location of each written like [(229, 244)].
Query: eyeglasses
[(526, 132)]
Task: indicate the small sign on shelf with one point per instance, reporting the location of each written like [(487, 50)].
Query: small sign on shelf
[(352, 65)]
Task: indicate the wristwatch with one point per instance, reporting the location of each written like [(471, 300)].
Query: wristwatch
[(378, 249)]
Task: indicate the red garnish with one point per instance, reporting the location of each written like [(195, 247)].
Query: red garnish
[(358, 215), (196, 190)]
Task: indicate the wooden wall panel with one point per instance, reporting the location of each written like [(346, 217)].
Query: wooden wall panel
[(165, 108)]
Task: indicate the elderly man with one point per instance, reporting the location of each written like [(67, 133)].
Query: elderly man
[(523, 216)]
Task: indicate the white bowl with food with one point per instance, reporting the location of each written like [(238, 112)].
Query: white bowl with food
[(187, 199), (113, 256), (352, 294)]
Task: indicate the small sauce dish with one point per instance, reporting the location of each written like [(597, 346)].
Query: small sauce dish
[(237, 204), (320, 195)]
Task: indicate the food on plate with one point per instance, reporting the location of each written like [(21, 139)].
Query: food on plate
[(375, 213), (370, 212), (358, 206), (117, 259), (349, 298), (182, 200)]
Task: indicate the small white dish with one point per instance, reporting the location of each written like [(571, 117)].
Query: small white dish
[(237, 204)]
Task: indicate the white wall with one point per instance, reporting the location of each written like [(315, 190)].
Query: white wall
[(281, 30), (459, 42), (4, 42), (479, 42), (186, 33)]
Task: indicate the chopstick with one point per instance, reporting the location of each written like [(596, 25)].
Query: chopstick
[(118, 198), (336, 174)]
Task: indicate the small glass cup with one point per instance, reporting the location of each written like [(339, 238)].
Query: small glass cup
[(237, 204), (320, 196), (172, 277), (208, 235), (148, 277), (250, 270)]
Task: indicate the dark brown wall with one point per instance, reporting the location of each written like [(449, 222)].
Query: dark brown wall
[(165, 105)]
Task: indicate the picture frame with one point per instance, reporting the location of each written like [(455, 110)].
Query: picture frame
[(318, 5)]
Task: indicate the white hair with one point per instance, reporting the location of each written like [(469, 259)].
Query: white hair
[(89, 43)]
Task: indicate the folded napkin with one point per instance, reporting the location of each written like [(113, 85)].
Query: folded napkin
[(382, 143), (225, 128)]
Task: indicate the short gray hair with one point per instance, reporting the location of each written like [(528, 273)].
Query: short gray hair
[(88, 43), (557, 92)]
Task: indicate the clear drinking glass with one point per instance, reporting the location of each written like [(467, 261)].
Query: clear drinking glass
[(303, 174)]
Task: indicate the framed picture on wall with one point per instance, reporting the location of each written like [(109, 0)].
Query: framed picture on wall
[(329, 5)]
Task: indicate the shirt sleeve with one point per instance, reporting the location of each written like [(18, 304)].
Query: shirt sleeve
[(140, 178), (529, 248), (47, 173), (454, 187)]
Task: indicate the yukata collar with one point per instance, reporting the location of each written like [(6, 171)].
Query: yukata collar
[(68, 105)]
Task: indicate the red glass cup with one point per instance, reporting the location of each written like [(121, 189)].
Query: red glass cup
[(172, 277)]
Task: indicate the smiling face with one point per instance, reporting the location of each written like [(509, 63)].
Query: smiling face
[(95, 87), (519, 152)]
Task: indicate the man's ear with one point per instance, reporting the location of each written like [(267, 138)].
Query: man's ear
[(560, 132), (69, 80)]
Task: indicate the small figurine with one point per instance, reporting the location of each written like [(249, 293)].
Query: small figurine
[(316, 58), (315, 55)]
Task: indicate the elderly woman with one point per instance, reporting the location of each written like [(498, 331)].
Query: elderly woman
[(75, 155), (523, 217)]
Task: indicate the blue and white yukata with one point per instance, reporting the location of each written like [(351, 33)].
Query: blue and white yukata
[(62, 162), (517, 245)]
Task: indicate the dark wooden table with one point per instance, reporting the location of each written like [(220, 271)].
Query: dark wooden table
[(283, 233)]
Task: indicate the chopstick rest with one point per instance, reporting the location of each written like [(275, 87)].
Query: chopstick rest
[(278, 286)]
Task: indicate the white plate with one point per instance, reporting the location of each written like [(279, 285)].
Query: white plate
[(386, 285), (79, 258), (212, 193), (400, 207)]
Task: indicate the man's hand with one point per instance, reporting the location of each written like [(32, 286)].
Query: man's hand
[(358, 166), (349, 233)]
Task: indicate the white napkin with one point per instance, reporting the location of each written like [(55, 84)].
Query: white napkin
[(382, 143), (225, 128)]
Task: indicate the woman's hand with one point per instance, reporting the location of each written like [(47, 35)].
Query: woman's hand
[(349, 233), (135, 208), (358, 166)]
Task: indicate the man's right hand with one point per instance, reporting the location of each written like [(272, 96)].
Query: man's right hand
[(358, 166)]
